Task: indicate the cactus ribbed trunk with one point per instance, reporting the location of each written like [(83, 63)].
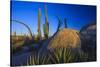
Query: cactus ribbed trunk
[(39, 26), (46, 25)]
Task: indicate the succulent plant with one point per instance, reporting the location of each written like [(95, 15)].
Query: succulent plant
[(46, 25), (39, 26)]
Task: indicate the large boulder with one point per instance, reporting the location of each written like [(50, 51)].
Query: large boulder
[(65, 38), (88, 39)]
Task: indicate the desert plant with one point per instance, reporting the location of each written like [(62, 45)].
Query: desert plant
[(46, 25), (39, 26), (61, 55), (67, 55), (45, 29), (37, 59)]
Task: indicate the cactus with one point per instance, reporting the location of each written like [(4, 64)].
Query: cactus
[(46, 25), (39, 19), (46, 33), (65, 22)]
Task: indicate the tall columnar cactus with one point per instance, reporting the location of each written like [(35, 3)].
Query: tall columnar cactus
[(65, 22), (39, 26), (45, 30), (46, 25)]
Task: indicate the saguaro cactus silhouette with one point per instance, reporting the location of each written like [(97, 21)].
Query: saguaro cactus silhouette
[(46, 25), (39, 26)]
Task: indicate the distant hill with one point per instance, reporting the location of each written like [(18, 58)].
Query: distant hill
[(65, 38)]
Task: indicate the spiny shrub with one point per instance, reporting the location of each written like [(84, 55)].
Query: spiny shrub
[(59, 55), (37, 59)]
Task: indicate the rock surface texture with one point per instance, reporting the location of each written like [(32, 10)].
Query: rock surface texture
[(65, 38)]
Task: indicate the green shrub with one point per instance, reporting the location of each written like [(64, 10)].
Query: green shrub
[(59, 55), (37, 59)]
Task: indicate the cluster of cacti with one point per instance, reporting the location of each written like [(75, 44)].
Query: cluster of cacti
[(46, 25), (39, 26)]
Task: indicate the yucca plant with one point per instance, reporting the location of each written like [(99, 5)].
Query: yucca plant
[(61, 55), (36, 59), (67, 55)]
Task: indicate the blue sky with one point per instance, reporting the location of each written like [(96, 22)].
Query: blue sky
[(77, 15)]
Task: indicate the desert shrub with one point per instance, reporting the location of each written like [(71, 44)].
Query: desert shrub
[(68, 55), (37, 59), (59, 55)]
